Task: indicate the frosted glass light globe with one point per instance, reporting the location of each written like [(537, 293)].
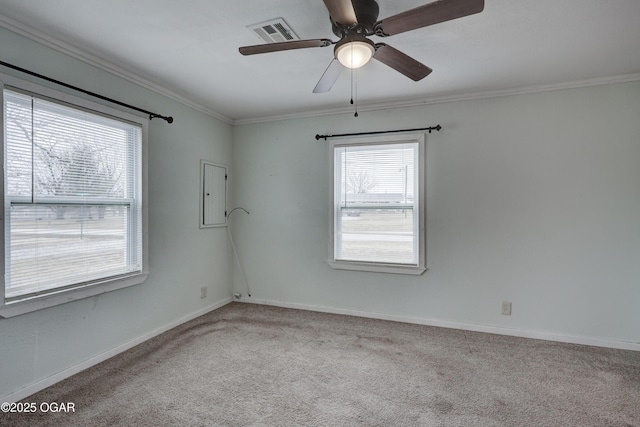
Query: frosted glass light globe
[(354, 54)]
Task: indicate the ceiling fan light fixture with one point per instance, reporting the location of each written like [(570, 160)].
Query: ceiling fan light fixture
[(354, 53)]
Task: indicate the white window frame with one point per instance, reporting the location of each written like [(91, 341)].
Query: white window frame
[(56, 297), (416, 269)]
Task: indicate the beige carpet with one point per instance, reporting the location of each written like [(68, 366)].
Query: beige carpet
[(250, 365)]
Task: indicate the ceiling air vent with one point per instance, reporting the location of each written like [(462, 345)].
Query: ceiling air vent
[(274, 31)]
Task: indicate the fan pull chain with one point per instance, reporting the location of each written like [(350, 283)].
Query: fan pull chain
[(354, 89), (351, 70)]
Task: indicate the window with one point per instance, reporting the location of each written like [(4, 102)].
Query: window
[(73, 199), (378, 204)]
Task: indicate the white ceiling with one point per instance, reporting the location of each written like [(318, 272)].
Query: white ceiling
[(190, 49)]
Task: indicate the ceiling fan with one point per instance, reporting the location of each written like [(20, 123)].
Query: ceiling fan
[(355, 20)]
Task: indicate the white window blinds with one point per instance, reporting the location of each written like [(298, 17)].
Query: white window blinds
[(73, 197), (376, 201)]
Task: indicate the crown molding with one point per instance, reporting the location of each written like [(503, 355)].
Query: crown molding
[(465, 96), (110, 67)]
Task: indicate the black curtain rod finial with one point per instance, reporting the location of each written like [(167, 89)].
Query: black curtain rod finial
[(168, 119)]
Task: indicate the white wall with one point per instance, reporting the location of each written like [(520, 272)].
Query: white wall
[(36, 347), (532, 198)]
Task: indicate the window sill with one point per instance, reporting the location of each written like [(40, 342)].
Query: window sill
[(17, 308), (377, 268)]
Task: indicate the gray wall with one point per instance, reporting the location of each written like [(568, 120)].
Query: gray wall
[(531, 198), (36, 346)]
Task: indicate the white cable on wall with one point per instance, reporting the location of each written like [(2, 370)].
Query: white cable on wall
[(235, 253)]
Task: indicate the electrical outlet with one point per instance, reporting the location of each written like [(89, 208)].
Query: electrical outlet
[(203, 292), (506, 308)]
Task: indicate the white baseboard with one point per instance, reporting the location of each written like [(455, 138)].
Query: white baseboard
[(540, 335), (49, 381)]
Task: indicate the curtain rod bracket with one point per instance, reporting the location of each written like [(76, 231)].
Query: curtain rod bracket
[(325, 137), (152, 115)]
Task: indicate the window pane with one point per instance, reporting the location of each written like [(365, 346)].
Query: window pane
[(377, 235), (377, 174), (73, 196), (57, 246), (376, 203)]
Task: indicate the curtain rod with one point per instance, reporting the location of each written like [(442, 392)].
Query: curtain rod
[(325, 137), (152, 115)]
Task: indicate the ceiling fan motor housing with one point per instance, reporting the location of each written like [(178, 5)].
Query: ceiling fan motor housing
[(367, 12)]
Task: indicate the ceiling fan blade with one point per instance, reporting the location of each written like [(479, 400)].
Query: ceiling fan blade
[(276, 47), (341, 11), (401, 62), (329, 77), (429, 14)]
